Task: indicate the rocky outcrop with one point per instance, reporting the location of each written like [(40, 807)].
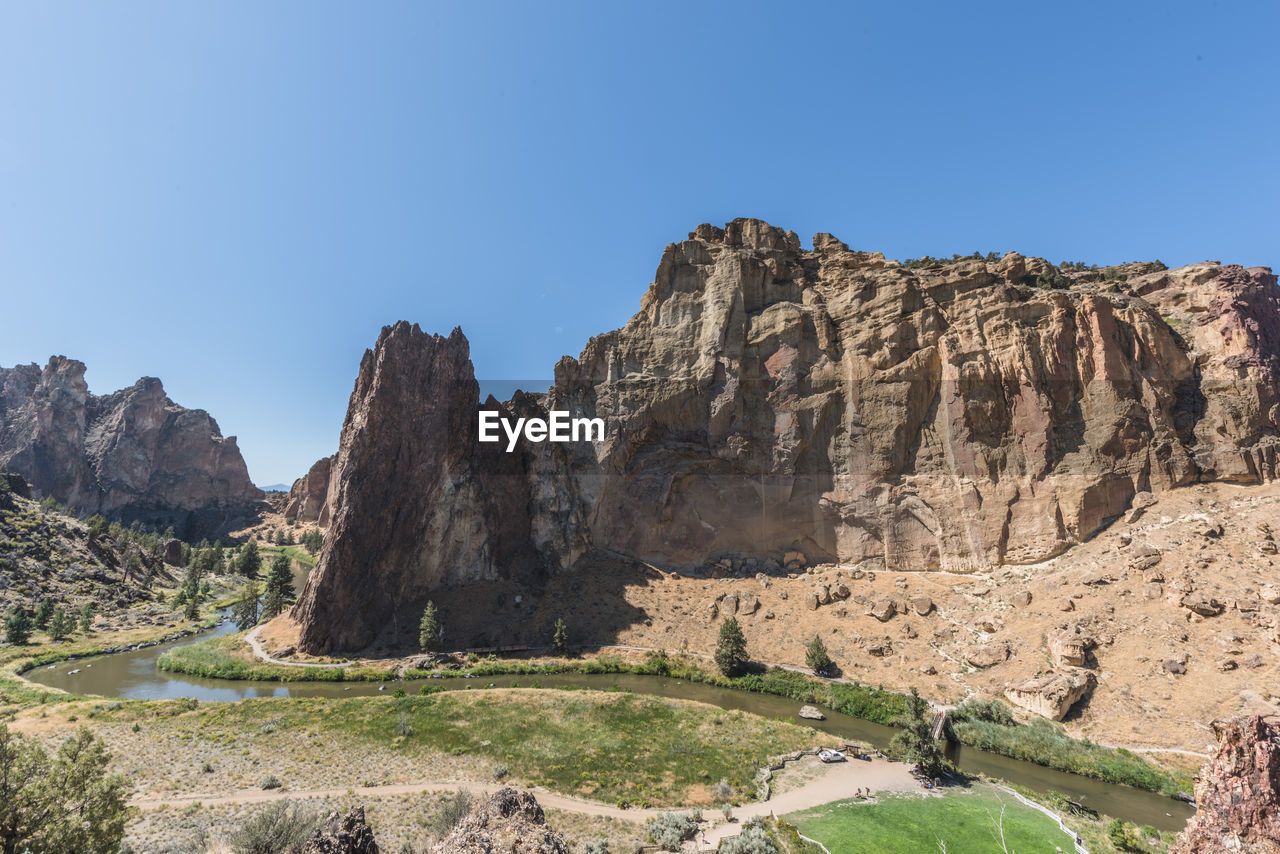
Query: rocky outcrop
[(133, 454), (418, 502), (508, 821), (1051, 695), (804, 406), (1238, 792), (350, 835), (308, 498)]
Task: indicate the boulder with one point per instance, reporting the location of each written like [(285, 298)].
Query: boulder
[(173, 553), (811, 713), (1201, 604), (883, 610), (921, 605), (1021, 599), (1052, 694), (987, 654), (1070, 649)]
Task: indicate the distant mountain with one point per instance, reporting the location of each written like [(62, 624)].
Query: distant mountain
[(130, 455), (274, 487)]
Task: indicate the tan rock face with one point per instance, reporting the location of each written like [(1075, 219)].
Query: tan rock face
[(307, 500), (820, 406), (987, 654), (1238, 792), (1050, 695), (133, 454)]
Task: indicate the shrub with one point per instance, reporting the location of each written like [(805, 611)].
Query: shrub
[(816, 657), (404, 727), (977, 709), (453, 809), (596, 846), (722, 792), (669, 830), (271, 781), (500, 772), (274, 830), (753, 839)]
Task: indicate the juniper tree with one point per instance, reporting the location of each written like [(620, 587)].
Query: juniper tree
[(816, 657), (44, 611), (429, 629), (17, 629), (731, 649), (280, 593)]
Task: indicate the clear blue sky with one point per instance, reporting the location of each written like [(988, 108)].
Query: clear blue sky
[(235, 197)]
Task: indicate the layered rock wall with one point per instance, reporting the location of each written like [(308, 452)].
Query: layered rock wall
[(769, 400)]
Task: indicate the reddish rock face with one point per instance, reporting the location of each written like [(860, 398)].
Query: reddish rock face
[(133, 454), (418, 502), (1238, 792), (769, 401), (307, 498)]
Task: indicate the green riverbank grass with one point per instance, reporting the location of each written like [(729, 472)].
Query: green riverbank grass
[(609, 746), (965, 820), (1040, 742)]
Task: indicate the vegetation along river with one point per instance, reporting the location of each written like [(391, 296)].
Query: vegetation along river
[(134, 675)]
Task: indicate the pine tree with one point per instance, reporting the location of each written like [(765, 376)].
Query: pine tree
[(246, 610), (560, 637), (915, 741), (816, 657), (280, 593), (249, 562), (86, 617), (60, 625), (190, 592), (44, 611), (731, 649), (17, 629), (429, 630)]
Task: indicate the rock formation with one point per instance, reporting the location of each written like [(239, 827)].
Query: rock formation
[(307, 500), (508, 821), (418, 502), (1051, 694), (133, 454), (350, 835), (1238, 792), (830, 404)]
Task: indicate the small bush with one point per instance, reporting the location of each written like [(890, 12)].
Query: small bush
[(500, 772), (669, 830), (596, 846), (753, 839), (453, 809), (991, 711), (275, 830), (404, 727), (271, 781)]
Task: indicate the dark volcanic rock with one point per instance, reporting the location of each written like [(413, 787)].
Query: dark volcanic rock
[(767, 400), (510, 822), (419, 502), (351, 835), (308, 497), (133, 454), (1238, 792)]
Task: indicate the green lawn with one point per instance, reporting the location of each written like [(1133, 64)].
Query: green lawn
[(963, 819)]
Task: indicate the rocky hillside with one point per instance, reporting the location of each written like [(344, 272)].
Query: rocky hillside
[(130, 455), (780, 406)]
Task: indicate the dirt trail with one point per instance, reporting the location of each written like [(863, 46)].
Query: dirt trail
[(830, 783)]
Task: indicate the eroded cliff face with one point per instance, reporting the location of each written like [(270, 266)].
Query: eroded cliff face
[(1238, 792), (308, 496), (133, 454), (769, 399), (418, 503)]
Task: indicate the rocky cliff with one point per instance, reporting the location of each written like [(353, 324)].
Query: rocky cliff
[(507, 821), (828, 405), (1238, 793), (418, 503), (308, 496), (133, 454)]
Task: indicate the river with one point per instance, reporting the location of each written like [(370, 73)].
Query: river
[(134, 675)]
